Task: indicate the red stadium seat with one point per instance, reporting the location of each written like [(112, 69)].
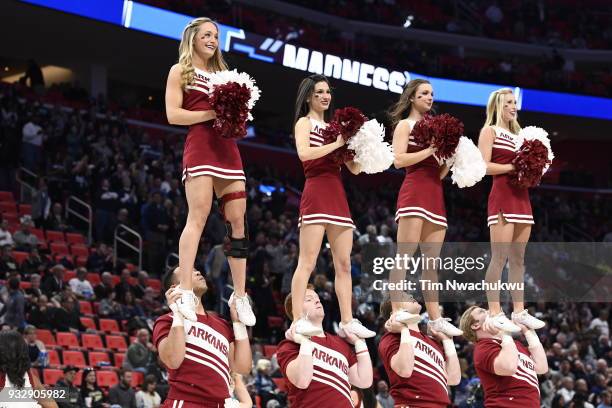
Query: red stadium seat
[(8, 207), (79, 250), (85, 307), (39, 234), (25, 285), (269, 350), (93, 278), (80, 261), (54, 360), (74, 238), (116, 343), (119, 357), (25, 209), (78, 378), (90, 324), (67, 340), (92, 341), (109, 326), (97, 357), (20, 256), (280, 383), (137, 379), (75, 358), (155, 284), (6, 196), (59, 248), (69, 275), (56, 236), (51, 375), (275, 322), (46, 337), (116, 280), (107, 379), (12, 218)]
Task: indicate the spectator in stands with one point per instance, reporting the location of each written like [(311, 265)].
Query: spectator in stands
[(106, 204), (6, 238), (141, 353), (109, 307), (383, 397), (15, 305), (139, 289), (35, 346), (54, 283), (567, 388), (56, 221), (41, 314), (122, 394), (32, 141), (101, 259), (34, 263), (8, 264), (147, 397), (151, 306), (105, 287), (35, 75), (66, 317), (123, 286), (81, 286), (606, 400), (34, 291), (75, 400), (24, 239), (601, 323), (369, 237), (155, 223), (41, 203), (92, 395), (266, 387)]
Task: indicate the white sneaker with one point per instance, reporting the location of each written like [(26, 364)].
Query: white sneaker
[(186, 304), (243, 308), (501, 322), (358, 329), (305, 327), (406, 317), (528, 320), (443, 325)]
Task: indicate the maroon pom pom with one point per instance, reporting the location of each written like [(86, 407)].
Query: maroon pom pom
[(346, 122), (529, 164), (230, 102), (441, 132)]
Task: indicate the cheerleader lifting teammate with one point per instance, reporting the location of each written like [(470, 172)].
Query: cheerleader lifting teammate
[(323, 208), (509, 210), (421, 215), (211, 165)]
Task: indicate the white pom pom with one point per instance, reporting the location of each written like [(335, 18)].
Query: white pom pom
[(224, 77), (231, 403), (467, 165), (535, 133), (372, 153)]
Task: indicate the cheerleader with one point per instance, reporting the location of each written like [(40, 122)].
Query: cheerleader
[(323, 208), (509, 211), (211, 164), (420, 215)]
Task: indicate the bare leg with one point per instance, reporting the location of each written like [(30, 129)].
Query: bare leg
[(431, 245), (408, 238), (517, 263), (341, 243), (501, 237)]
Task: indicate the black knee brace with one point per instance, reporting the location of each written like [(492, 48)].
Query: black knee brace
[(236, 247)]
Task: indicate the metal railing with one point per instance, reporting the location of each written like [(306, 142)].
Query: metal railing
[(120, 240), (85, 216), (27, 184)]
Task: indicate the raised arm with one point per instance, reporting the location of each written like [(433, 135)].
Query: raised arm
[(402, 362), (506, 362), (353, 167), (43, 402), (538, 354), (174, 101), (302, 142), (444, 171), (400, 144), (299, 371), (240, 358), (241, 392), (485, 145), (361, 374), (453, 369), (172, 348)]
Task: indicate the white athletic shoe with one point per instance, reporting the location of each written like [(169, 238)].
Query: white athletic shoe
[(501, 322), (305, 327), (443, 325), (186, 304), (243, 308), (358, 329), (406, 317), (528, 320)]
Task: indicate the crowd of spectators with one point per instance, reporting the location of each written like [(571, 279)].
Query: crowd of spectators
[(133, 179)]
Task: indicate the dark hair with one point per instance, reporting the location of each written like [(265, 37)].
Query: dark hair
[(149, 379), (402, 107), (168, 279), (122, 372), (13, 283), (369, 397), (305, 90), (86, 372), (15, 358)]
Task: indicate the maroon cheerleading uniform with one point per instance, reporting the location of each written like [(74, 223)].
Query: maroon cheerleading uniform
[(206, 153), (323, 199), (421, 193), (506, 198)]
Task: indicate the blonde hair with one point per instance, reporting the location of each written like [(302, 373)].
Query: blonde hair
[(403, 105), (216, 63), (495, 106), (466, 322)]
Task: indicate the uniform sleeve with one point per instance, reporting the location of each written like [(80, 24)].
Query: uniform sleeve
[(161, 329), (287, 352), (388, 347), (485, 354)]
